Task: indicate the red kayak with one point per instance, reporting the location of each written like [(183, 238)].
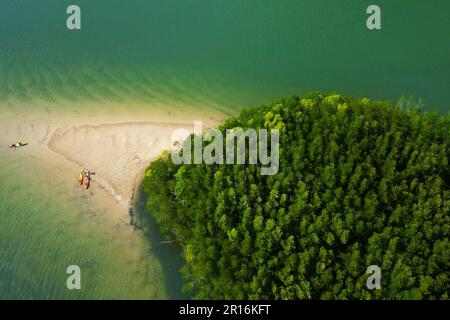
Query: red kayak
[(85, 178), (87, 183)]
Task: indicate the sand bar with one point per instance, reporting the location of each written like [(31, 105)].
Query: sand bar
[(116, 146)]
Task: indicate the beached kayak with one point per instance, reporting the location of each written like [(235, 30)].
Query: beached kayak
[(18, 145), (85, 178)]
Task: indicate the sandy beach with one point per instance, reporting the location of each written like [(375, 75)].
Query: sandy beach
[(51, 221), (117, 146)]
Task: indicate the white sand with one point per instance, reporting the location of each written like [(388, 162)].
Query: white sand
[(116, 146)]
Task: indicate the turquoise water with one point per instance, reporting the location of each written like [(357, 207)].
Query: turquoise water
[(226, 54), (230, 53)]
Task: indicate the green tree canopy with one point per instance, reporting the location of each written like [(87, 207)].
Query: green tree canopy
[(360, 183)]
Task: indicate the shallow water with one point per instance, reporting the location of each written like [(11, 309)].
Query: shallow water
[(226, 54), (48, 225)]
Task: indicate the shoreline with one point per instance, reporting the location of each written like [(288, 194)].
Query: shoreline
[(137, 182), (116, 147), (119, 174)]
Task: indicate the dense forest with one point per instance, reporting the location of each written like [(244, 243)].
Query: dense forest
[(360, 183)]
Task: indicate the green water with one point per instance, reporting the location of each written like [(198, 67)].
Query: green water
[(231, 53), (226, 54), (46, 227)]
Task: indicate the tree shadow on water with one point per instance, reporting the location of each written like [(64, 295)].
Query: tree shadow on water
[(167, 252)]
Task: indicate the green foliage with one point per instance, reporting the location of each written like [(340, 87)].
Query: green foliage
[(360, 183)]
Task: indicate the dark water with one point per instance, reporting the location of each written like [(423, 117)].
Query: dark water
[(165, 250)]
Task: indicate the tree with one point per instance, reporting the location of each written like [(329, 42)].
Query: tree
[(360, 183)]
